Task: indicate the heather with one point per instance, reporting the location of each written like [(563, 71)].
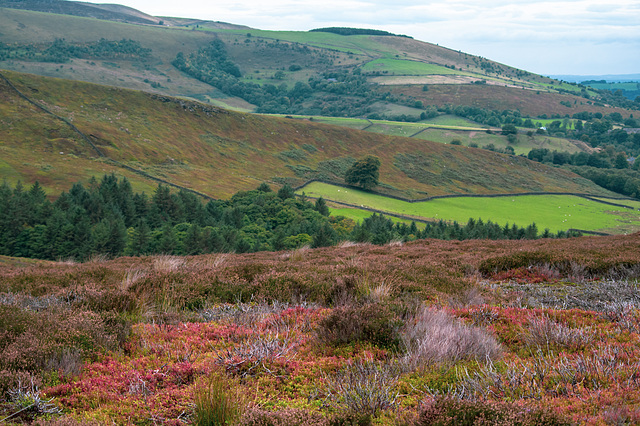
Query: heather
[(426, 332)]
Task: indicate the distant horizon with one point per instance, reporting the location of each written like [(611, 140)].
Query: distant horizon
[(608, 77), (570, 37)]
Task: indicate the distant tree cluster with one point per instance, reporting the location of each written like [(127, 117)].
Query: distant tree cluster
[(346, 31), (364, 173), (60, 51), (607, 168), (378, 229), (336, 93)]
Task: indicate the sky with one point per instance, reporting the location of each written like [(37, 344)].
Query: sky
[(565, 37)]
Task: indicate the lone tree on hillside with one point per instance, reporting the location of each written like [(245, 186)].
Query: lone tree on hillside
[(364, 172)]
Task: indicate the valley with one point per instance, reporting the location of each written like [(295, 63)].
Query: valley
[(205, 223)]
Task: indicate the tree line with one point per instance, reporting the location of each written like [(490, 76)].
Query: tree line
[(607, 168), (347, 31), (61, 51), (107, 218)]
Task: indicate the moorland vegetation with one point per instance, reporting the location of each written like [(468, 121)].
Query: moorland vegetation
[(156, 307), (427, 332)]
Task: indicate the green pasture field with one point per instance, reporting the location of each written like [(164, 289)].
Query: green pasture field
[(560, 85), (399, 128), (555, 212), (547, 121), (523, 145), (407, 67), (356, 44), (630, 203), (452, 120), (358, 215)]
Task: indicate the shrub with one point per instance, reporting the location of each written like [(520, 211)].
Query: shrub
[(27, 402), (12, 379), (373, 323), (297, 417), (434, 336), (254, 355), (450, 411), (286, 417), (217, 402), (364, 388), (546, 333), (32, 340), (513, 261)]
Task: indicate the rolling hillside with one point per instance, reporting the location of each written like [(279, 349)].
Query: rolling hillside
[(390, 72), (218, 152)]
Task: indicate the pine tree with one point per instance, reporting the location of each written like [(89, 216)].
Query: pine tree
[(321, 207)]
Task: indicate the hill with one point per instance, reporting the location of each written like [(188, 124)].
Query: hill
[(60, 131), (112, 12), (312, 73)]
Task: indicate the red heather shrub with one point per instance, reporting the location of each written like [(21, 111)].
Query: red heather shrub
[(54, 338), (286, 417), (524, 275), (456, 412)]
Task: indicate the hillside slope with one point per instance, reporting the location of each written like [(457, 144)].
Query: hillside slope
[(387, 74), (218, 152)]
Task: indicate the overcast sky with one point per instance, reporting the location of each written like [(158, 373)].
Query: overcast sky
[(583, 37)]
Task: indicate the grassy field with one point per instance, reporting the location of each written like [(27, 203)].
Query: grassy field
[(556, 212), (353, 45), (407, 67), (523, 145), (358, 215)]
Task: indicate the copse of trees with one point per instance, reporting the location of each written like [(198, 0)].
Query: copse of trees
[(364, 173), (346, 31), (378, 229), (107, 217), (607, 168)]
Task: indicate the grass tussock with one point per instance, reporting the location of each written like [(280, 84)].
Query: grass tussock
[(216, 402), (167, 263), (546, 333)]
